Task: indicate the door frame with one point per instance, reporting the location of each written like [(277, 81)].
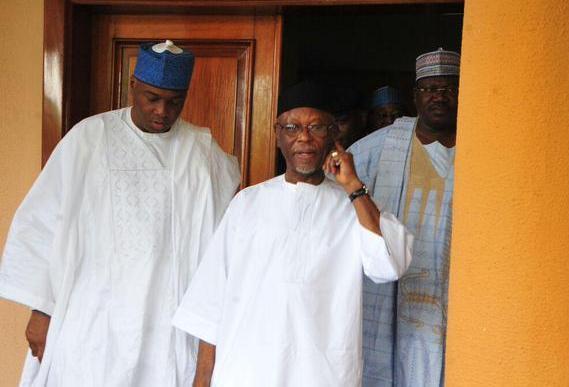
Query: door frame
[(65, 52)]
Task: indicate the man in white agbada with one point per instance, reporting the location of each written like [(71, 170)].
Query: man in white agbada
[(276, 300), (409, 168), (106, 241)]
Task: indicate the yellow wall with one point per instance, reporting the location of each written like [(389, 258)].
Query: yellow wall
[(509, 295), (21, 42)]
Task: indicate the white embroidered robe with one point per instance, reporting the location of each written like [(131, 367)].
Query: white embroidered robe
[(106, 242)]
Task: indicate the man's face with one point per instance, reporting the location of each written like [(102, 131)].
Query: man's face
[(382, 116), (155, 110), (437, 109), (304, 152)]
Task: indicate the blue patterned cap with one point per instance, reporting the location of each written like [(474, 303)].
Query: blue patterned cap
[(165, 66), (437, 64), (384, 96)]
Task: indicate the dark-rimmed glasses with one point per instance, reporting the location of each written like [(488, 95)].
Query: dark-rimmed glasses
[(430, 91), (293, 130)]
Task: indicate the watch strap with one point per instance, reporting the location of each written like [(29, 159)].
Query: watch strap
[(357, 193)]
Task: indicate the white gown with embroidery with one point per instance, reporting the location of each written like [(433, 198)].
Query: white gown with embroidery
[(106, 242)]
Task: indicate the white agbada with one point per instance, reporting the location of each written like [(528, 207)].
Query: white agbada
[(106, 242), (279, 289)]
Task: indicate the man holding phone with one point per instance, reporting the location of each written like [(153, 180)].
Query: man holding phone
[(277, 298)]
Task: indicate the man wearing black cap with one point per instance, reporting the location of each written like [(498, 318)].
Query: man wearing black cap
[(105, 243), (276, 300)]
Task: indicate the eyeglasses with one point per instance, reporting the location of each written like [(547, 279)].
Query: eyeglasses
[(293, 130), (430, 91)]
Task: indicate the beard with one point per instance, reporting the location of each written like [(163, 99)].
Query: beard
[(306, 171), (440, 121)]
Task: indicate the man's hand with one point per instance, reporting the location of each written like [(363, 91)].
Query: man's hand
[(341, 164), (205, 364), (36, 332)]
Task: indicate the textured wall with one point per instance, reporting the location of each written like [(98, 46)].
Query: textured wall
[(21, 42), (509, 295)]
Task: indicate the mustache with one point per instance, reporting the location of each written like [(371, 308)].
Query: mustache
[(300, 149), (438, 105)]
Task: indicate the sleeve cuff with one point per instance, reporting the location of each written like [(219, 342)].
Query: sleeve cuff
[(25, 298), (195, 325), (398, 240), (386, 258), (375, 257)]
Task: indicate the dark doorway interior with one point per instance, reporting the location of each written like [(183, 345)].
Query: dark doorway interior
[(366, 47)]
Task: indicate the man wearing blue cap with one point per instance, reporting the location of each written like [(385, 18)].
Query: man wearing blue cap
[(385, 107), (105, 243), (409, 168)]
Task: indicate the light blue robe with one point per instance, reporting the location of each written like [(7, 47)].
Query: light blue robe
[(404, 324)]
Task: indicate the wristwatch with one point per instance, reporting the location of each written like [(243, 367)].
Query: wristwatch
[(360, 192)]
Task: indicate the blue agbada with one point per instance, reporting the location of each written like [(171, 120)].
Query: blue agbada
[(404, 324), (165, 66)]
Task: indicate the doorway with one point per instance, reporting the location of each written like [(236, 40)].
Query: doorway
[(365, 47), (88, 55)]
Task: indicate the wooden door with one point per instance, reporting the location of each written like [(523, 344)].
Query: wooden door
[(234, 84)]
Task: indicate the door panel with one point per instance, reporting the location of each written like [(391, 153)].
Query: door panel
[(231, 76)]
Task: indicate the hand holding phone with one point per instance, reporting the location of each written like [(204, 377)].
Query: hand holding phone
[(340, 163)]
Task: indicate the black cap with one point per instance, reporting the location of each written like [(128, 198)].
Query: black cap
[(305, 94)]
